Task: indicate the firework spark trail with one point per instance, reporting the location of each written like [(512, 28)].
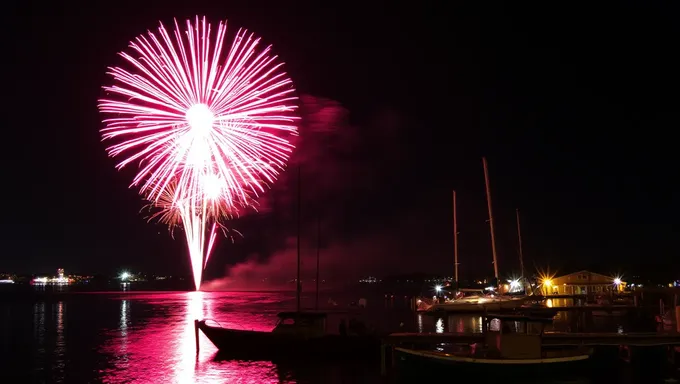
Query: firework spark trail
[(208, 126)]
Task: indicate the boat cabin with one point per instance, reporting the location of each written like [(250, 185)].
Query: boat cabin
[(514, 336), (307, 324)]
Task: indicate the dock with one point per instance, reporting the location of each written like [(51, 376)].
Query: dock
[(571, 308), (640, 339)]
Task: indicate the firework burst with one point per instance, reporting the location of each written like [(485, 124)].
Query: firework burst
[(207, 125)]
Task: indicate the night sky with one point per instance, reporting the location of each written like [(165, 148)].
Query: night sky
[(575, 108)]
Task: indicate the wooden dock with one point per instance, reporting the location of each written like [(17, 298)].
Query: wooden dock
[(644, 339), (571, 308), (549, 339)]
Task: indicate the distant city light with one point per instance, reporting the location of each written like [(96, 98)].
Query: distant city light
[(437, 288), (369, 280), (124, 276), (7, 281)]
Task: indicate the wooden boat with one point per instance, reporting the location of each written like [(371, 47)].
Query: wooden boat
[(296, 333), (512, 343)]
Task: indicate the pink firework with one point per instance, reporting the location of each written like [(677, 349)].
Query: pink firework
[(208, 126)]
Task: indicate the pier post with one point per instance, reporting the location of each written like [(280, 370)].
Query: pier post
[(383, 360), (196, 334), (393, 357)]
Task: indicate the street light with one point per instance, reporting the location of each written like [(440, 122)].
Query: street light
[(124, 276)]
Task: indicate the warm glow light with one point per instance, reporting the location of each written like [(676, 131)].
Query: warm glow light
[(547, 282)]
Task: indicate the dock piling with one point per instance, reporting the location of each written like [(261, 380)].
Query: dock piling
[(196, 334), (383, 360)]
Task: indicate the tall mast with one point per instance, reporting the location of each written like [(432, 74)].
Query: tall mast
[(488, 203), (318, 247), (455, 238), (299, 219), (519, 237)]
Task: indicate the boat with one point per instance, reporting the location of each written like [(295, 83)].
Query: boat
[(296, 333), (476, 301), (513, 344), (301, 332)]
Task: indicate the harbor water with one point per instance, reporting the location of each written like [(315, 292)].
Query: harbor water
[(148, 337)]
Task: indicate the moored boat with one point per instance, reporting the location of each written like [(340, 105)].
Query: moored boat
[(478, 304), (513, 342), (296, 333)]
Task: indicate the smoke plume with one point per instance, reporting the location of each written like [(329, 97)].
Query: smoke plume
[(344, 169)]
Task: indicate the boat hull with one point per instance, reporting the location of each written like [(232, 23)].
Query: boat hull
[(412, 360), (489, 306), (269, 345)]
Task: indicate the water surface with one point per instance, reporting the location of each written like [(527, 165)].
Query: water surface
[(148, 337)]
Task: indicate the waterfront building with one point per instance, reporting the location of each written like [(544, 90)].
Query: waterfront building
[(582, 283)]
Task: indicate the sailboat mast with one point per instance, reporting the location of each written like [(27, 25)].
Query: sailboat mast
[(298, 289), (455, 238), (318, 247), (519, 238), (488, 203)]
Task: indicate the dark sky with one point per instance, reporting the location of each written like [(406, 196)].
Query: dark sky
[(575, 108)]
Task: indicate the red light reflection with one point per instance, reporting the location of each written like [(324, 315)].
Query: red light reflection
[(163, 348)]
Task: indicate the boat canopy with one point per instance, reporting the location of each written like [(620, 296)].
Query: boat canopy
[(297, 315), (305, 324)]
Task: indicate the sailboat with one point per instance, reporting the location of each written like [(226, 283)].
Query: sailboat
[(478, 302), (296, 332)]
